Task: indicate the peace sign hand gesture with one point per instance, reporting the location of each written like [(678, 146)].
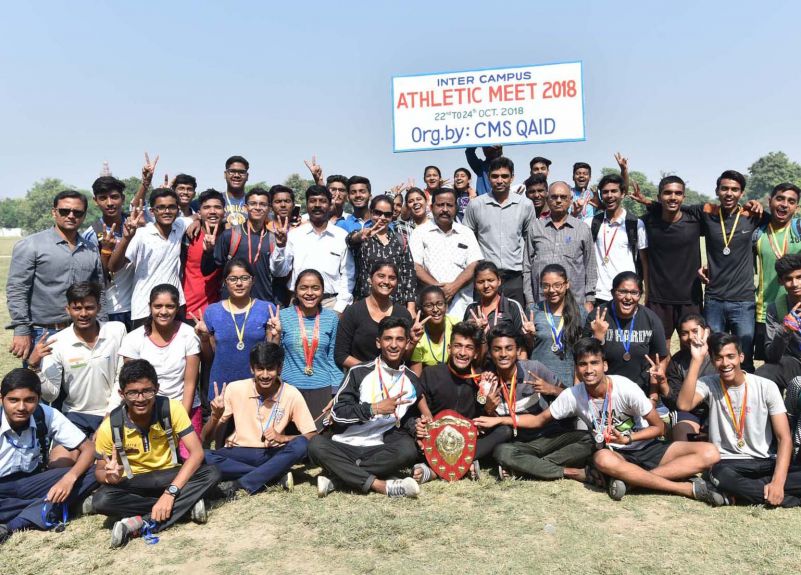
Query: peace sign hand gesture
[(599, 325), (274, 327), (201, 329), (113, 468), (418, 329), (528, 326), (698, 346), (577, 207), (541, 386), (40, 350), (479, 319), (637, 194), (107, 239), (657, 371), (209, 236), (149, 169), (316, 170), (281, 228), (792, 321), (622, 162), (217, 405), (133, 222)]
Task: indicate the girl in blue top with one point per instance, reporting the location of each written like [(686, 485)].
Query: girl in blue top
[(307, 333)]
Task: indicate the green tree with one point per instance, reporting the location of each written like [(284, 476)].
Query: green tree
[(262, 184), (298, 185), (650, 190), (35, 213), (768, 171), (9, 212)]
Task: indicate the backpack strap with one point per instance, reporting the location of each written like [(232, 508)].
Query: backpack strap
[(163, 411), (595, 226), (117, 433), (42, 437)]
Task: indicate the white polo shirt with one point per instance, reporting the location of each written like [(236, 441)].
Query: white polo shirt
[(612, 238), (445, 256), (20, 451), (87, 375), (156, 261)]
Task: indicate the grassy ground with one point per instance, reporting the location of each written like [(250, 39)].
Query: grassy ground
[(468, 527)]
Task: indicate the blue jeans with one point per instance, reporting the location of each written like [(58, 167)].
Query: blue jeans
[(735, 317)]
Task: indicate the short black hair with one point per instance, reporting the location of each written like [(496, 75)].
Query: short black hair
[(428, 290), (210, 194), (579, 165), (787, 264), (237, 262), (359, 180), (339, 178), (784, 187), (588, 346), (82, 290), (106, 185), (667, 180), (441, 191), (536, 179), (184, 179), (237, 160), (469, 330), (538, 160), (317, 191), (71, 194), (731, 175), (267, 355), (499, 163), (280, 189), (162, 193), (504, 330), (257, 191), (718, 340), (611, 179), (137, 369), (21, 378), (391, 322)]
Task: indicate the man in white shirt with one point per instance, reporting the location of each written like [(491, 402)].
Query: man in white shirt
[(81, 362), (746, 413), (445, 253), (155, 251), (317, 245)]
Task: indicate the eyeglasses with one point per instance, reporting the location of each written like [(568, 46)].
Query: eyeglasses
[(162, 209), (232, 172), (64, 212), (557, 286), (435, 305), (624, 293), (144, 394), (380, 213), (238, 279)]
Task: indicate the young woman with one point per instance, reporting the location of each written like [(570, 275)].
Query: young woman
[(172, 348), (233, 326), (492, 308), (307, 333), (630, 332), (415, 213), (432, 346), (358, 326), (380, 243), (559, 323), (397, 206), (432, 176)]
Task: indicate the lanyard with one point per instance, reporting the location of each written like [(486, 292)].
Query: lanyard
[(240, 333), (775, 245), (626, 334), (727, 240), (497, 308), (309, 347), (739, 426), (59, 525), (16, 445), (510, 396), (607, 249), (273, 410), (475, 377), (602, 423), (444, 344), (258, 250), (556, 332), (385, 391)]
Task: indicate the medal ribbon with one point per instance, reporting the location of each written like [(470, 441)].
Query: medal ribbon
[(611, 242), (385, 390), (739, 426), (496, 308), (627, 333), (775, 245), (309, 347), (509, 395), (476, 377), (727, 240), (240, 333), (556, 332), (603, 422), (260, 403), (258, 250)]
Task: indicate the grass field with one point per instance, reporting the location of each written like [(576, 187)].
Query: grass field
[(468, 527)]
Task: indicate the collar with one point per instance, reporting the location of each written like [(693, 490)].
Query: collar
[(70, 338), (548, 221), (618, 221), (310, 229), (79, 239), (128, 422), (254, 394), (511, 199), (381, 364), (153, 230)]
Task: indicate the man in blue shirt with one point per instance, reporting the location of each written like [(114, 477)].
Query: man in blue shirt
[(481, 168), (359, 192)]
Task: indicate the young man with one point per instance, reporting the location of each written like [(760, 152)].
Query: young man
[(674, 256), (446, 253), (540, 165), (155, 251), (500, 221), (79, 363), (453, 385), (620, 240), (783, 326), (236, 176), (137, 465), (259, 452), (43, 266), (537, 191), (185, 187), (746, 413), (319, 245), (464, 191), (583, 196), (338, 186), (201, 278), (781, 236), (359, 191), (559, 238), (251, 241), (374, 415), (624, 426), (481, 167), (33, 495)]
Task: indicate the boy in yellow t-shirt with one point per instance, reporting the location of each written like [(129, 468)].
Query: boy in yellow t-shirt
[(141, 476)]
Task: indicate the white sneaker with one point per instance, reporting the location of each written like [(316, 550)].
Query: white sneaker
[(199, 513), (126, 529), (287, 482), (406, 487), (324, 486), (86, 506)]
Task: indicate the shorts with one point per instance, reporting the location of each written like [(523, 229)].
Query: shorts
[(671, 313), (647, 457), (88, 424), (687, 416)]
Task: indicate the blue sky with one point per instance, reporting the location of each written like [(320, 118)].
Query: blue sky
[(688, 87)]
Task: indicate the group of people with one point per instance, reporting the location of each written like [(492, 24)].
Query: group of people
[(208, 343)]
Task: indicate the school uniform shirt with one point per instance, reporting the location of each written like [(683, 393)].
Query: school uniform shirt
[(169, 361), (85, 375), (119, 285), (612, 237), (147, 449), (354, 424), (629, 408), (21, 453), (156, 261), (764, 400), (786, 241), (443, 389), (253, 415), (647, 337), (433, 353)]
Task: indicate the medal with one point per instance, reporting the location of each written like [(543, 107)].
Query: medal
[(607, 249), (556, 331), (740, 443), (626, 335), (599, 437), (627, 356), (727, 239), (555, 348), (309, 347), (606, 259), (240, 333), (308, 371), (602, 423), (240, 345), (738, 424), (481, 399), (385, 391), (726, 251), (774, 245), (273, 411)]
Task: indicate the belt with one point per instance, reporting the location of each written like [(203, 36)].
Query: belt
[(60, 325)]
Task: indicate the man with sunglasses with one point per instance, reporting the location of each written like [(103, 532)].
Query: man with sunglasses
[(43, 266)]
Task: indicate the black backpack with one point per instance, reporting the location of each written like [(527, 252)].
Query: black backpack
[(42, 437), (631, 236)]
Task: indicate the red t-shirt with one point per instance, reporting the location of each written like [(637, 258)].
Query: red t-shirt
[(199, 290)]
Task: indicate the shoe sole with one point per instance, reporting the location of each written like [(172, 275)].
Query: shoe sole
[(289, 482), (118, 535)]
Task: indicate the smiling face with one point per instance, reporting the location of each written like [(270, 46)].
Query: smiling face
[(432, 178), (309, 291), (258, 206), (729, 193), (236, 176), (487, 284), (461, 180), (727, 363), (501, 180), (463, 352), (590, 369), (384, 281), (416, 203), (397, 206), (110, 203), (165, 210), (163, 309), (339, 194), (792, 284), (612, 196), (318, 208), (688, 331), (382, 212), (434, 306), (392, 345), (19, 405), (139, 397), (212, 212), (536, 193), (627, 296), (554, 287), (239, 282), (671, 196), (266, 378), (358, 195), (783, 206), (503, 351), (581, 178), (444, 209), (186, 193), (540, 168), (83, 313), (282, 205), (69, 214)]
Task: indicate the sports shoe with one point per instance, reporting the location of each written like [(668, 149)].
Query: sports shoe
[(475, 471), (503, 475), (324, 486), (287, 482), (427, 474), (86, 506), (406, 487), (616, 489), (126, 529), (199, 513), (704, 491), (228, 489)]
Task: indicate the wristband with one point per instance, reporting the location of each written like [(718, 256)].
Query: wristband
[(106, 252)]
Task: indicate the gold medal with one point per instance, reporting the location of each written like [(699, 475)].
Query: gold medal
[(308, 371)]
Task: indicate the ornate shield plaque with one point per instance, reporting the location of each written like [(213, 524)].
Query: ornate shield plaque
[(451, 445)]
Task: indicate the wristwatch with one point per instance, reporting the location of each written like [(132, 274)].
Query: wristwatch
[(173, 490)]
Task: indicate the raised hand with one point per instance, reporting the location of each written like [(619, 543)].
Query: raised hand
[(577, 207), (107, 239), (657, 371), (622, 162), (541, 386), (201, 329), (390, 404), (113, 468), (698, 346), (281, 229), (479, 319), (40, 350), (209, 236), (529, 328), (398, 189), (792, 321), (274, 327), (217, 404), (418, 328), (637, 194), (149, 169), (315, 169), (599, 325), (134, 221), (446, 183)]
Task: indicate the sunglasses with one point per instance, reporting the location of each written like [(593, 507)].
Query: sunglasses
[(64, 212), (380, 213)]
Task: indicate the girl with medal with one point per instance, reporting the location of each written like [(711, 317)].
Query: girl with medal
[(307, 332), (630, 332), (233, 326), (559, 323), (432, 346)]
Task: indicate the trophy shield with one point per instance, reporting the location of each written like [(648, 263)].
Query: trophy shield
[(450, 446)]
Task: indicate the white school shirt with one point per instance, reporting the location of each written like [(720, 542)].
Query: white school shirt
[(445, 256), (87, 375), (156, 261), (326, 252), (620, 257), (169, 361)]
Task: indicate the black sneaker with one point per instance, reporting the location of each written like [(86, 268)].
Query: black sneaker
[(704, 491), (616, 489)]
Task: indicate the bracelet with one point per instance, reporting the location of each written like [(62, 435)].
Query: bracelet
[(106, 252)]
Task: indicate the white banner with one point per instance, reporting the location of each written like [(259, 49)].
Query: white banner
[(521, 105)]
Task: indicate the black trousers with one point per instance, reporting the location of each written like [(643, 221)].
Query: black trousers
[(357, 467), (316, 400), (512, 286), (138, 495), (781, 373), (745, 480)]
